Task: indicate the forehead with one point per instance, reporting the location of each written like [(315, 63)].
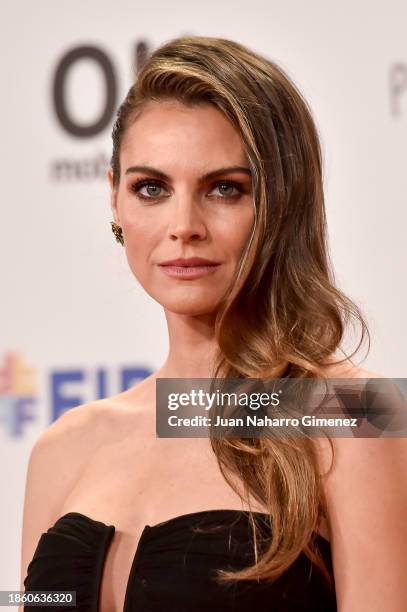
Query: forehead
[(169, 131)]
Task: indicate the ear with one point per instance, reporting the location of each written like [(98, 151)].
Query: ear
[(113, 197)]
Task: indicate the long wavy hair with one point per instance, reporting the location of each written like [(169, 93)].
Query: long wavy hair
[(282, 316)]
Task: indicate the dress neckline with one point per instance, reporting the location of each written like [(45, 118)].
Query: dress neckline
[(181, 517), (157, 526)]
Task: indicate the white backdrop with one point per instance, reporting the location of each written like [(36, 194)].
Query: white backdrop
[(73, 319)]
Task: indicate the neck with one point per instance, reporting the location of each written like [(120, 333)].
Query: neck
[(192, 346)]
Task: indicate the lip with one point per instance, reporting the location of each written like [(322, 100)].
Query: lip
[(189, 262), (189, 272)]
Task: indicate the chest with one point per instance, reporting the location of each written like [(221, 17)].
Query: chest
[(143, 481), (136, 480)]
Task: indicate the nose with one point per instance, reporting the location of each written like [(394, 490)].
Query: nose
[(186, 220)]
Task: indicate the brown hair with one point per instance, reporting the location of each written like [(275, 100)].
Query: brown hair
[(283, 314)]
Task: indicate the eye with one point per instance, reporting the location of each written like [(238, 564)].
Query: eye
[(149, 189), (228, 189), (152, 189)]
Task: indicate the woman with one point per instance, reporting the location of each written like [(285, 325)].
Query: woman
[(216, 161)]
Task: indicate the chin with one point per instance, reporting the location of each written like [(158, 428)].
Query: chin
[(190, 307), (182, 309), (191, 301)]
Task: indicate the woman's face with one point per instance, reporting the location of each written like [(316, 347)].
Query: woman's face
[(185, 191)]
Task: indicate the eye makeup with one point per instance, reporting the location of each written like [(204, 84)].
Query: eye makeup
[(238, 188)]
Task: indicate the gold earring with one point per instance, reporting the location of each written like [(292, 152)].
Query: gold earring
[(117, 231)]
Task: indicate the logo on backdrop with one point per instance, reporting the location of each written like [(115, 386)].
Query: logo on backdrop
[(20, 399), (105, 105), (86, 169), (18, 394)]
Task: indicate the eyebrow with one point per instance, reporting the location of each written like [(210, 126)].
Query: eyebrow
[(209, 175)]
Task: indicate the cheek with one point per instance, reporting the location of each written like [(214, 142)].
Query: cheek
[(140, 239), (237, 232), (138, 224)]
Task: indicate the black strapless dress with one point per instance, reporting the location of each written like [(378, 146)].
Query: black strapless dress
[(174, 567)]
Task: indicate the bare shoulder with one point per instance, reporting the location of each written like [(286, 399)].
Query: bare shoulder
[(61, 450), (68, 435), (66, 432), (366, 496), (80, 430), (65, 444), (73, 421), (365, 491), (345, 369)]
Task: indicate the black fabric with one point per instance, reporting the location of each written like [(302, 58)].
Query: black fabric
[(174, 566)]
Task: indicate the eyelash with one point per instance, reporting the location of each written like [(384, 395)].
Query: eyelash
[(143, 182)]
